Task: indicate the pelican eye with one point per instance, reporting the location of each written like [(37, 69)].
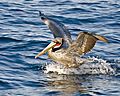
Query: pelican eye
[(58, 42), (55, 41), (43, 18)]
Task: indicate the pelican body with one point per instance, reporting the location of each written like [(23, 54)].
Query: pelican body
[(63, 49)]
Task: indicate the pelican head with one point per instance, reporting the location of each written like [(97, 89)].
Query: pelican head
[(56, 44)]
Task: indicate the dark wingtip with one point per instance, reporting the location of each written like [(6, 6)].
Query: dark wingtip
[(40, 13), (101, 38)]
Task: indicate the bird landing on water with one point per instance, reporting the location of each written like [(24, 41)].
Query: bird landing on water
[(63, 49)]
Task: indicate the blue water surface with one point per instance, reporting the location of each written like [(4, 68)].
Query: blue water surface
[(23, 35)]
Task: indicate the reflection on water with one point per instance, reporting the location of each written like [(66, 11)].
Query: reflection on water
[(73, 84), (66, 84)]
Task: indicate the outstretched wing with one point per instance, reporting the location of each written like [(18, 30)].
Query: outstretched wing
[(57, 28), (85, 42)]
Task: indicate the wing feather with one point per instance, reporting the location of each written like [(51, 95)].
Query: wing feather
[(85, 42)]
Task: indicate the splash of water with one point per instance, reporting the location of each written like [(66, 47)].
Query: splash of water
[(97, 66)]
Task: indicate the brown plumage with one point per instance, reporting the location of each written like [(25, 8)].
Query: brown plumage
[(85, 42), (63, 49)]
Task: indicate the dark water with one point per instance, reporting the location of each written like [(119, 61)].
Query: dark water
[(23, 35)]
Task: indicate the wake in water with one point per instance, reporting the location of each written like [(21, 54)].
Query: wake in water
[(96, 66)]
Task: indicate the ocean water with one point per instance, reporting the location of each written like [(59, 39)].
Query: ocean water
[(23, 35)]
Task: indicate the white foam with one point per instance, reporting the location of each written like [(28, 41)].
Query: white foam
[(97, 66)]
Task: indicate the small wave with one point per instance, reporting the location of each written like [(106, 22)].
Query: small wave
[(7, 39), (77, 10), (97, 66)]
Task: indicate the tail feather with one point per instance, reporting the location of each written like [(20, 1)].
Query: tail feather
[(101, 38)]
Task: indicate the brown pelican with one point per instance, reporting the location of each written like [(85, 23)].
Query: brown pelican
[(63, 49)]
